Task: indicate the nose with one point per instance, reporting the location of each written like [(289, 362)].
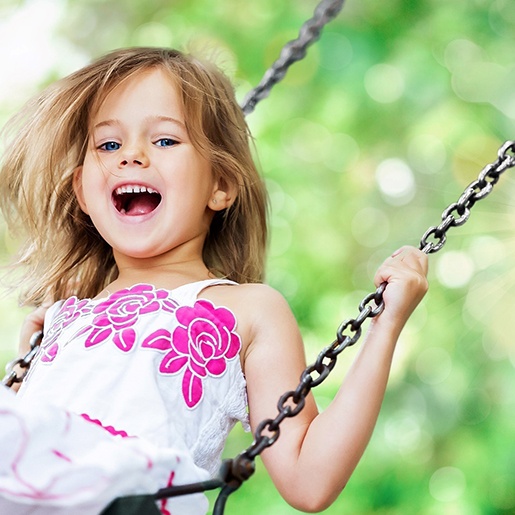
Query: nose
[(133, 156)]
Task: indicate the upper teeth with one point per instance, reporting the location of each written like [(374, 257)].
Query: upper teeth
[(134, 189)]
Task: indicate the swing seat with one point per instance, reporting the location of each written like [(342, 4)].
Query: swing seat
[(133, 505)]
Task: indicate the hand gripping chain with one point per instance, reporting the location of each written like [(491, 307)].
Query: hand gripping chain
[(349, 332)]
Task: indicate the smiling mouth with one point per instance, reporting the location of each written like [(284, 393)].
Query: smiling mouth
[(135, 200)]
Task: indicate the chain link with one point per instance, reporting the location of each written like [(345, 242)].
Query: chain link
[(293, 51), (458, 213), (22, 364)]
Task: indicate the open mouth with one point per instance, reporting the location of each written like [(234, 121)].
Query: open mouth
[(134, 200)]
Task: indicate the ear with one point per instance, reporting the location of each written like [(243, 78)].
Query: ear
[(78, 189), (222, 196)]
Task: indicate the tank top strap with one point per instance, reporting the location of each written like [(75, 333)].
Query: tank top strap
[(188, 293)]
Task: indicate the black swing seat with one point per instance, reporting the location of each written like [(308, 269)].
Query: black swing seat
[(133, 505)]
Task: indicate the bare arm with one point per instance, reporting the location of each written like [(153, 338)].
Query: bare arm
[(316, 453)]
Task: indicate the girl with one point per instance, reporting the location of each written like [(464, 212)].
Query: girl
[(134, 183)]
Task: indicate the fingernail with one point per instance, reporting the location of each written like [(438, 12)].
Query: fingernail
[(397, 252)]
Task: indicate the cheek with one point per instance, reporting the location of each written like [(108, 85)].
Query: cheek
[(91, 194)]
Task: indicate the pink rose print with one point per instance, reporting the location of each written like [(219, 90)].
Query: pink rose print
[(201, 345), (70, 311), (120, 311)]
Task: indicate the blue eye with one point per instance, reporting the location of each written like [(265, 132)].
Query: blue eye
[(166, 142), (109, 146)]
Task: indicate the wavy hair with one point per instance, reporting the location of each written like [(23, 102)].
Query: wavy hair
[(63, 254)]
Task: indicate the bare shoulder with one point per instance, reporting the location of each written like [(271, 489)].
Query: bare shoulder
[(256, 306), (245, 295)]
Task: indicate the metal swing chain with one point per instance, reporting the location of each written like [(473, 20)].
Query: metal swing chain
[(293, 51), (458, 212), (12, 376), (292, 402)]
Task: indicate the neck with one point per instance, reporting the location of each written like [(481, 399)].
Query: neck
[(167, 273)]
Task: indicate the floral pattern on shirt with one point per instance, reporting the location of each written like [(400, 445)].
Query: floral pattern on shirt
[(120, 311), (200, 346), (69, 312), (198, 341)]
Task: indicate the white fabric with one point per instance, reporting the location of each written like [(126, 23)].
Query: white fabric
[(52, 459), (158, 370)]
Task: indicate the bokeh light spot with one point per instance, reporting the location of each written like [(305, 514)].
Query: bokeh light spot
[(336, 51), (396, 181), (402, 431), (486, 250), (427, 153), (454, 269), (306, 140), (384, 83), (370, 227), (447, 484)]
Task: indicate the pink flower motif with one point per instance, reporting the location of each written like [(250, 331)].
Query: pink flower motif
[(70, 311), (120, 311), (49, 352), (202, 344)]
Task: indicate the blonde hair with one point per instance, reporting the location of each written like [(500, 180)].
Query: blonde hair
[(64, 254)]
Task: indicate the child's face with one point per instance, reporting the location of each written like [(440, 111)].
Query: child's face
[(147, 189)]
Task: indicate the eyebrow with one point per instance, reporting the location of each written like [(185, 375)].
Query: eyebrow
[(151, 118)]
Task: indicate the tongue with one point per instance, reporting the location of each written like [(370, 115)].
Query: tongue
[(141, 204)]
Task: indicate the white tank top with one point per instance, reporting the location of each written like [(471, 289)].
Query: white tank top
[(157, 364)]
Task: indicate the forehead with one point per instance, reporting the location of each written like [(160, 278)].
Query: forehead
[(152, 91)]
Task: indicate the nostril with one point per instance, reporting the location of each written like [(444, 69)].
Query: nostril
[(136, 162)]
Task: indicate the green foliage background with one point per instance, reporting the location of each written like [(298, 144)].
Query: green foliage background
[(392, 113)]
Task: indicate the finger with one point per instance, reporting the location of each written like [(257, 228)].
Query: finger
[(413, 257), (408, 263), (32, 323)]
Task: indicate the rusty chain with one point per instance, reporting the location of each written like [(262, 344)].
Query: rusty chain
[(293, 51)]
